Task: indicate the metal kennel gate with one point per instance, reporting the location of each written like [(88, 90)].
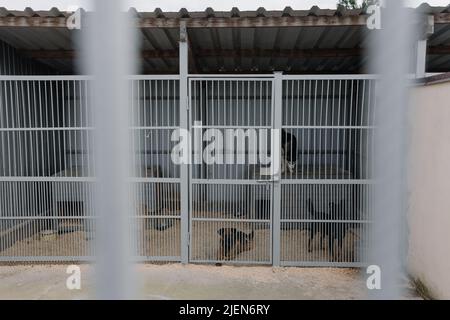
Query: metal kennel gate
[(316, 214), (230, 196)]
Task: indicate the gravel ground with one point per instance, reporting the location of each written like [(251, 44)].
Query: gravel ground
[(176, 281)]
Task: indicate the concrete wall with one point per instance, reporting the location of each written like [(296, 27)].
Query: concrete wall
[(429, 187)]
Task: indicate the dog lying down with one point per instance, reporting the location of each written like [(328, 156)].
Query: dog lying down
[(233, 242)]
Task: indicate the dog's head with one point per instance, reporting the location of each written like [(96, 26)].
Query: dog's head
[(225, 231), (233, 242)]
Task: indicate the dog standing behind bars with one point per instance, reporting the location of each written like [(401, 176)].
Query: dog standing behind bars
[(334, 231), (288, 151), (314, 227), (233, 242), (337, 231)]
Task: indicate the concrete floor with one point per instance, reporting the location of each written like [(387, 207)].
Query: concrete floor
[(175, 281)]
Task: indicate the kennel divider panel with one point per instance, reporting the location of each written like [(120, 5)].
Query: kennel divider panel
[(156, 223), (46, 164), (45, 129)]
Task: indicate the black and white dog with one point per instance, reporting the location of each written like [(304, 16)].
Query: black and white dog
[(288, 151)]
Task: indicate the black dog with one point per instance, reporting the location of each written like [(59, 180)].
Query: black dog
[(315, 227), (233, 242), (328, 228), (337, 230)]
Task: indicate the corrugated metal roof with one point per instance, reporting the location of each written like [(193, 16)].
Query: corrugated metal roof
[(261, 49), (440, 78), (234, 12), (29, 12)]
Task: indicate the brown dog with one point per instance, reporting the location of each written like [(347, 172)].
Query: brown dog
[(233, 242)]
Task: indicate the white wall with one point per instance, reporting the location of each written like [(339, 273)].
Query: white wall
[(429, 187)]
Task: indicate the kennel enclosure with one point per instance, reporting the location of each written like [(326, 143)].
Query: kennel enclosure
[(301, 72), (47, 164)]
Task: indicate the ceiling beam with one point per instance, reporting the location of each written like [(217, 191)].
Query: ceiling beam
[(216, 22), (226, 53), (71, 54), (441, 18), (438, 50), (280, 53), (232, 53), (255, 22)]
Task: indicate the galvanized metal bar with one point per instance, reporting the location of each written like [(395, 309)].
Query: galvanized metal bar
[(277, 110), (81, 78), (421, 58), (230, 220), (331, 77), (230, 77), (184, 124)]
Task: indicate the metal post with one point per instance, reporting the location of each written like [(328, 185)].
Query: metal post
[(184, 170), (110, 62), (421, 49), (277, 123), (391, 58), (421, 55)]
